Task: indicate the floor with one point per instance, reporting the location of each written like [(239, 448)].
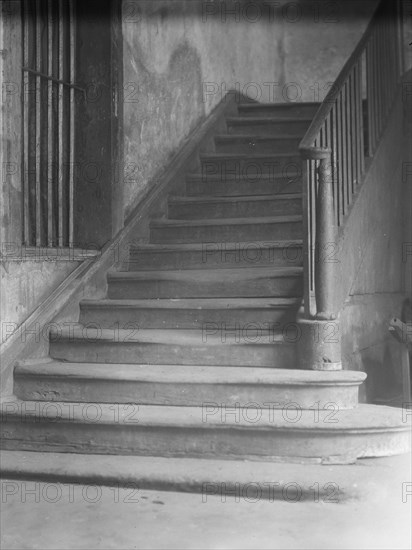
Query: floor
[(42, 515)]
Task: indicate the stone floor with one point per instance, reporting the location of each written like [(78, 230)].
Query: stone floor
[(36, 514)]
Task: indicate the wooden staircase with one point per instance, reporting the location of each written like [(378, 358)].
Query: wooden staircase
[(193, 352)]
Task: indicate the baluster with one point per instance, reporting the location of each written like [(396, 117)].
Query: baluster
[(325, 234), (378, 75), (307, 260), (344, 149), (61, 126), (72, 121), (398, 50), (359, 121), (382, 74), (374, 94), (355, 129), (328, 145), (334, 163), (339, 151), (38, 126), (385, 46), (50, 133), (375, 91), (397, 14), (313, 202), (393, 79), (351, 136), (26, 133), (370, 100)]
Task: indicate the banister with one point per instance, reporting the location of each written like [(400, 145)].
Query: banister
[(306, 145), (345, 131)]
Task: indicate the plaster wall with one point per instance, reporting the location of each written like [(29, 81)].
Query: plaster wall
[(180, 58), (179, 61), (371, 260), (317, 45), (25, 284)]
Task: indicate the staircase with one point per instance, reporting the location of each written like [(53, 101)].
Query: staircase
[(193, 354)]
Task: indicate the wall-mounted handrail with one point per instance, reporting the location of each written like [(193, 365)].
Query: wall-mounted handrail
[(345, 131)]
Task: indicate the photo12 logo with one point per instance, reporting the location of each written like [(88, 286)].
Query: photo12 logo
[(322, 11)]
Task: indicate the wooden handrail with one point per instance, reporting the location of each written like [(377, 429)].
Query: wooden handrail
[(306, 145)]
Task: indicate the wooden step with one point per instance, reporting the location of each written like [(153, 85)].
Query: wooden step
[(189, 208), (265, 125), (207, 283), (245, 433), (290, 181), (267, 313), (289, 110), (214, 344), (215, 255), (252, 144), (249, 166), (221, 230), (189, 385)]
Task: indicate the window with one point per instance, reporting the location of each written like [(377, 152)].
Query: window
[(48, 133)]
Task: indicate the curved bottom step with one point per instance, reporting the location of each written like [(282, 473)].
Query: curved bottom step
[(206, 432), (185, 385)]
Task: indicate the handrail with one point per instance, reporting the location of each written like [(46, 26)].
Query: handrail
[(345, 131), (327, 104)]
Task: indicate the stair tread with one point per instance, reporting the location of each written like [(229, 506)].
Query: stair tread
[(234, 156), (199, 176), (230, 137), (362, 419), (211, 198), (208, 274), (194, 303), (226, 221), (267, 119), (200, 246), (247, 105), (171, 374), (169, 336)]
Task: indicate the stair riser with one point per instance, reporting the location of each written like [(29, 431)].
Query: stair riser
[(263, 355), (256, 146), (266, 128), (80, 390), (254, 444), (180, 318), (217, 233), (264, 286), (217, 255), (250, 168), (290, 183), (240, 209), (297, 110)]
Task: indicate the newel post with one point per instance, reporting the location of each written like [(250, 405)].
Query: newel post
[(324, 243), (320, 342)]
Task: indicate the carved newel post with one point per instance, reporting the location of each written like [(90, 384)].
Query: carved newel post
[(320, 344), (325, 239)]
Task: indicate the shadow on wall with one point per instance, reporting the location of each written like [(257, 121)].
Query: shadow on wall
[(383, 365), (157, 120), (384, 381)]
